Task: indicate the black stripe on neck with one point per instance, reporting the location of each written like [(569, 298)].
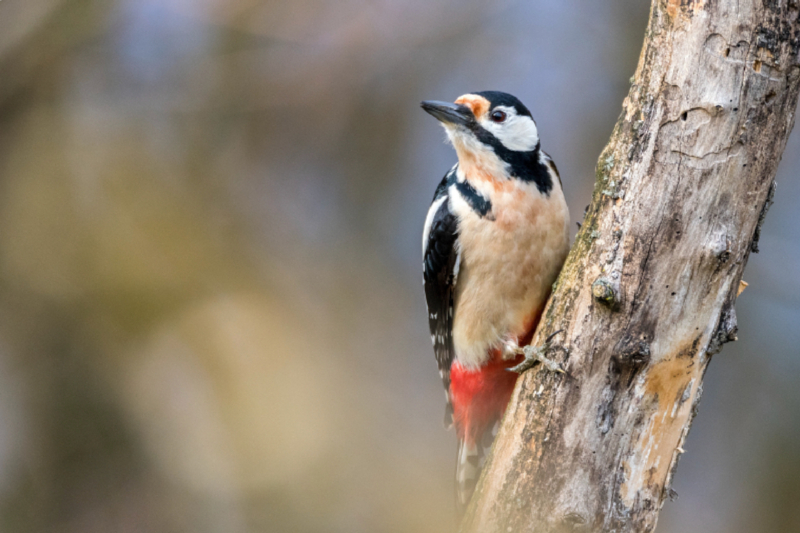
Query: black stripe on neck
[(476, 201), (524, 165)]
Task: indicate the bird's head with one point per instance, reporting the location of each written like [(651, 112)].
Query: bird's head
[(487, 125)]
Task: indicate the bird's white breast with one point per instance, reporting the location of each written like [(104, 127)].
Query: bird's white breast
[(509, 261)]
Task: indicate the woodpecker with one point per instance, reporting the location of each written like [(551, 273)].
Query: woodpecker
[(495, 238)]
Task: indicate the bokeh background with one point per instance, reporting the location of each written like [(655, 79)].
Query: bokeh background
[(211, 314)]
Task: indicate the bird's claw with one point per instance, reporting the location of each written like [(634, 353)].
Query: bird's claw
[(538, 354)]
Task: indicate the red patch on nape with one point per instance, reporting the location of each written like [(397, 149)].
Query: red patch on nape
[(480, 397)]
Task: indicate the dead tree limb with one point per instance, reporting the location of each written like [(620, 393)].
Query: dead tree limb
[(647, 294)]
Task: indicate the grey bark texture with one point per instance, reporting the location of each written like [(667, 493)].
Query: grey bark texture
[(647, 293)]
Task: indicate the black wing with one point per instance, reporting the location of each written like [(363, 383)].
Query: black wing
[(440, 264)]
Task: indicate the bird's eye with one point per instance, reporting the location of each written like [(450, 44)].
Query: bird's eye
[(498, 116)]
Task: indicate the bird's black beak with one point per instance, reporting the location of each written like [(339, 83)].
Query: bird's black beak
[(449, 113)]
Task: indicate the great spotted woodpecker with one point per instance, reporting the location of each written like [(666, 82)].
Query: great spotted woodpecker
[(495, 238)]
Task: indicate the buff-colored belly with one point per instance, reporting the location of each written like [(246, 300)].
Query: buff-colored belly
[(508, 266)]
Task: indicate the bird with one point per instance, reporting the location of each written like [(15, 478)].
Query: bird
[(494, 241)]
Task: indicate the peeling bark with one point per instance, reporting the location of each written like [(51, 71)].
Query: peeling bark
[(647, 294)]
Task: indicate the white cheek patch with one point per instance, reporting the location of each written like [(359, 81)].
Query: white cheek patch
[(518, 133)]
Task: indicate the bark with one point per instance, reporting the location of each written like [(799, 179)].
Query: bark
[(647, 294)]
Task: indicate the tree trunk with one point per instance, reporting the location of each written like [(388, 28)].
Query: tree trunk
[(647, 294)]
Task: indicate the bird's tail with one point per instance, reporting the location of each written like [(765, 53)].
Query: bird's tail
[(469, 465)]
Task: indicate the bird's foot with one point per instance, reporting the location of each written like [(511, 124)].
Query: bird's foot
[(538, 354)]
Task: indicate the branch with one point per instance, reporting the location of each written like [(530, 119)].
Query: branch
[(647, 294)]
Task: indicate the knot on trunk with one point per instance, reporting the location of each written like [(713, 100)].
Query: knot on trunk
[(605, 292)]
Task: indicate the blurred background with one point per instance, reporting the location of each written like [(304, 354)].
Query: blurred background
[(211, 313)]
